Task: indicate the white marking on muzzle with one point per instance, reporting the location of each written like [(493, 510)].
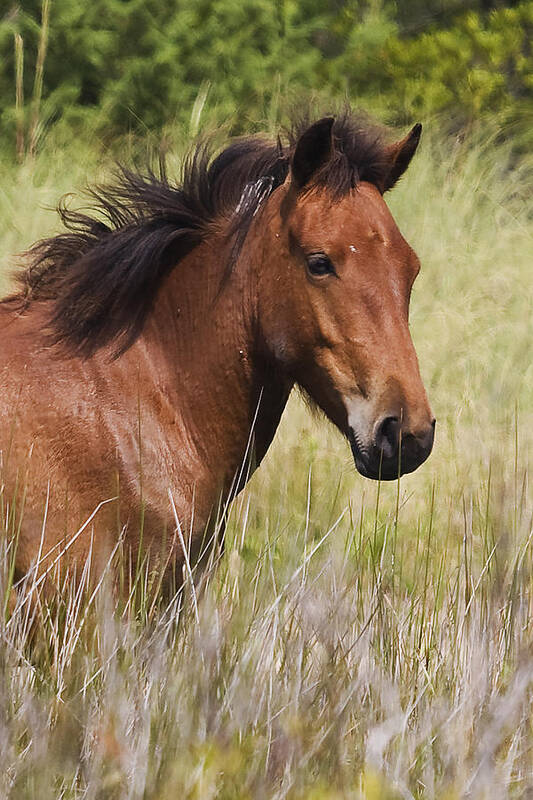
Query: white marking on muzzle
[(360, 419)]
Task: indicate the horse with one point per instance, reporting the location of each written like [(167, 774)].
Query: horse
[(149, 350)]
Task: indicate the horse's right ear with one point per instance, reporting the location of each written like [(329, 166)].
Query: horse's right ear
[(399, 155), (313, 149)]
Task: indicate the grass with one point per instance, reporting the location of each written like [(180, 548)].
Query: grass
[(357, 640)]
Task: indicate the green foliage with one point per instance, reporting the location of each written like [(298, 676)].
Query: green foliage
[(481, 65), (140, 63), (113, 66)]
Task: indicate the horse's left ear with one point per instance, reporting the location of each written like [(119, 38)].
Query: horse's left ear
[(399, 156), (313, 149)]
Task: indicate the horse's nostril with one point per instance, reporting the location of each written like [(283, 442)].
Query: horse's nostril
[(388, 436)]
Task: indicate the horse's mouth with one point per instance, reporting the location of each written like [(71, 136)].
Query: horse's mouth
[(373, 464)]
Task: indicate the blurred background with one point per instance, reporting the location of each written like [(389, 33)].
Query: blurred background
[(107, 68)]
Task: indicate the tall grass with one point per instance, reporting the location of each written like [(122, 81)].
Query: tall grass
[(357, 640)]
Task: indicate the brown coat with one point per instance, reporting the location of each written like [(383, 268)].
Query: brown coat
[(305, 279)]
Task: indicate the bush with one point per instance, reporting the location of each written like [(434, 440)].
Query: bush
[(121, 65), (481, 65)]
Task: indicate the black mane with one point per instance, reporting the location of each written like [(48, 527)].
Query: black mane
[(101, 276)]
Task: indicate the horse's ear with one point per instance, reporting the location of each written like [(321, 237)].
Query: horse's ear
[(399, 156), (313, 149)]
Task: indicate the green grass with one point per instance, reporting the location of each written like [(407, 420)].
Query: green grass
[(357, 640)]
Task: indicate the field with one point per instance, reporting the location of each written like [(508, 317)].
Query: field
[(357, 640)]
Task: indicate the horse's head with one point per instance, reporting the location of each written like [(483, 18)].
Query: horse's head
[(335, 284)]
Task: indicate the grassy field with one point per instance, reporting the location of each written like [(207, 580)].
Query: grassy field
[(357, 640)]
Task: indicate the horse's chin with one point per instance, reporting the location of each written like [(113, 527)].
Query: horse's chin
[(379, 472)]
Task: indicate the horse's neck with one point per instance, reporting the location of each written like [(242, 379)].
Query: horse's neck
[(203, 363)]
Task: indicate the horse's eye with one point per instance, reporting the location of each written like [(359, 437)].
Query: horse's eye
[(320, 264)]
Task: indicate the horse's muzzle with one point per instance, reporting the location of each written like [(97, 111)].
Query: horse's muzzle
[(393, 452)]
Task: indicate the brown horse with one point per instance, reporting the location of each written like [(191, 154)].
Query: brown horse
[(149, 353)]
